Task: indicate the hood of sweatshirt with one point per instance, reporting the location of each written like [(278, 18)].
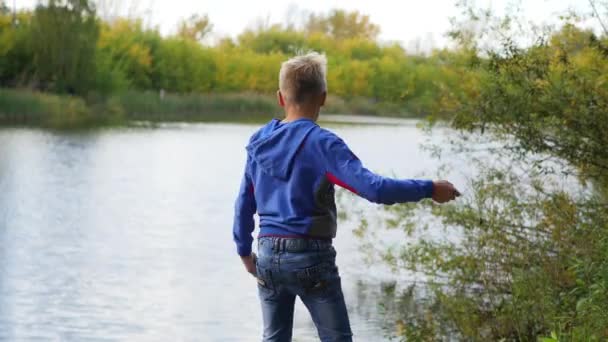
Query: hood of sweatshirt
[(276, 145)]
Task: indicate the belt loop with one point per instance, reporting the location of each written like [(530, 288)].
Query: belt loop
[(284, 245)]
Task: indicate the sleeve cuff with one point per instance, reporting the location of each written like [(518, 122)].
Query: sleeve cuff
[(428, 188)]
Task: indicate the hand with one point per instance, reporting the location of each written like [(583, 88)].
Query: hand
[(249, 262), (444, 191)]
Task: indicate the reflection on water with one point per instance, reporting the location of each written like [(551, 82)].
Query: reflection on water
[(125, 234)]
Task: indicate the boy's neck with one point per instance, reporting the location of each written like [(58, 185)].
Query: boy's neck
[(292, 115)]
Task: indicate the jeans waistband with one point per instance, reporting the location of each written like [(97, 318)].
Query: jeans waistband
[(281, 244)]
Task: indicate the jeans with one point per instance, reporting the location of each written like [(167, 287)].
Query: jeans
[(290, 267)]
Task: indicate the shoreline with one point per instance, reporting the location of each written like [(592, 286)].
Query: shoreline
[(25, 108)]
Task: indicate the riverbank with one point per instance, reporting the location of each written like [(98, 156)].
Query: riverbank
[(28, 108)]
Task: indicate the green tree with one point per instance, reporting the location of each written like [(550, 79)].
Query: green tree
[(63, 41), (15, 50), (195, 28), (184, 66), (273, 39), (341, 24), (527, 253), (123, 47)]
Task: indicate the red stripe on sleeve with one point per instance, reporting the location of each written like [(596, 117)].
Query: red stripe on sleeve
[(333, 179)]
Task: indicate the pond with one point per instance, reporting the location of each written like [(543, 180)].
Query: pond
[(126, 233)]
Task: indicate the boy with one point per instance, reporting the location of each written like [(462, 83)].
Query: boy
[(292, 167)]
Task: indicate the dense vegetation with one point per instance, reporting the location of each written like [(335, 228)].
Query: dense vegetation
[(524, 254), (63, 47)]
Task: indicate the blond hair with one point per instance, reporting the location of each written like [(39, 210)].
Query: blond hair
[(303, 77)]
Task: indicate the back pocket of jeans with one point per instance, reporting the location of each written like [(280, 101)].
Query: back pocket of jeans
[(318, 279)]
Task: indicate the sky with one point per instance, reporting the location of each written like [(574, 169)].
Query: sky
[(416, 24)]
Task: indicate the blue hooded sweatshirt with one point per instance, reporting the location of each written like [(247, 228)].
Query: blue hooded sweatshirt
[(289, 180)]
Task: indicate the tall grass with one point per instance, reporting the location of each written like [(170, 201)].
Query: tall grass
[(197, 107), (25, 107)]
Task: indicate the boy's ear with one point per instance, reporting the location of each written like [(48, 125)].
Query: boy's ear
[(280, 99), (323, 97)]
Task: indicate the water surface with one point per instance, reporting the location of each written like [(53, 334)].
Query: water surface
[(125, 234)]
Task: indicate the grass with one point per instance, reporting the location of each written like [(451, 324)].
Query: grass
[(148, 106), (29, 108)]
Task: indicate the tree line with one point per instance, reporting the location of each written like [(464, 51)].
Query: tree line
[(63, 47)]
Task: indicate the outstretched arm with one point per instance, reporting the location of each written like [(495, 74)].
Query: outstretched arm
[(346, 170)]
